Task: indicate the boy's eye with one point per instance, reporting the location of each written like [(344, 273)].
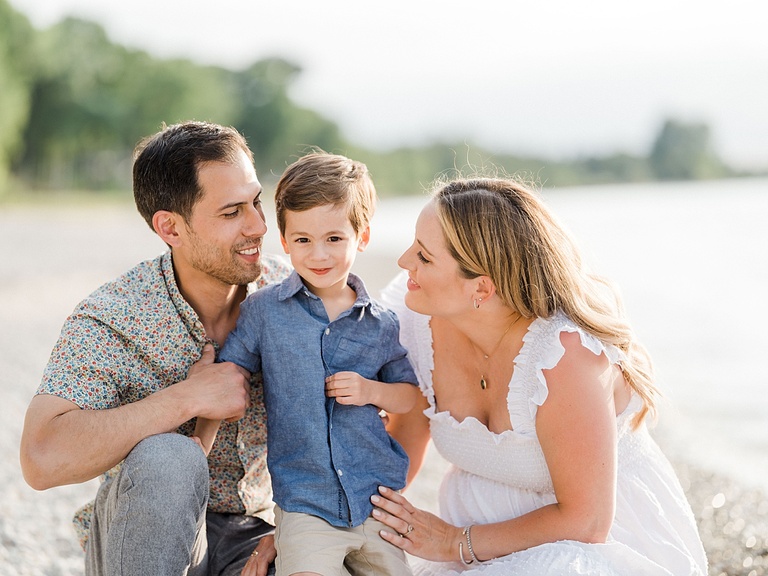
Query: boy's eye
[(302, 240), (334, 239), (421, 257)]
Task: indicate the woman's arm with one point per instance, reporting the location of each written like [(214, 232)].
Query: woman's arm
[(411, 430), (576, 426)]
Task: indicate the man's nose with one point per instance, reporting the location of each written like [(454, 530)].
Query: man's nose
[(255, 224)]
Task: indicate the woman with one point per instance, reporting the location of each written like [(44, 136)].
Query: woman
[(536, 390)]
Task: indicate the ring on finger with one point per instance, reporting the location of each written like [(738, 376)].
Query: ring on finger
[(410, 529)]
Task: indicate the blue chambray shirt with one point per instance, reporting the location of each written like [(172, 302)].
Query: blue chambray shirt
[(326, 459)]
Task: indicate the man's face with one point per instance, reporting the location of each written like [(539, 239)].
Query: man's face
[(224, 235)]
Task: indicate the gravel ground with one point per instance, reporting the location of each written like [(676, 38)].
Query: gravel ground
[(50, 258)]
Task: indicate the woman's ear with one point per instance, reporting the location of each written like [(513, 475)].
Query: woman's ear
[(166, 225), (484, 288)]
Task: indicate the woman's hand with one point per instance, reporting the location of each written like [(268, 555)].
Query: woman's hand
[(415, 531), (261, 557)]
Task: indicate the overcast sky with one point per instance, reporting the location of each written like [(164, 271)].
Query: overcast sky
[(558, 78)]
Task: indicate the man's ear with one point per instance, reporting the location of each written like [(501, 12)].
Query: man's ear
[(365, 237), (166, 225)]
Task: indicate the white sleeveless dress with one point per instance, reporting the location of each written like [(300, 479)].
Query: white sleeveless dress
[(495, 477)]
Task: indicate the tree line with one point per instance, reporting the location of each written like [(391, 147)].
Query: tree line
[(73, 105)]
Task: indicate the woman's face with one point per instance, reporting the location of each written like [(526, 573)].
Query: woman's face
[(435, 285)]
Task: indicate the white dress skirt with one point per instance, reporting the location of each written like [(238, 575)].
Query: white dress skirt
[(495, 477)]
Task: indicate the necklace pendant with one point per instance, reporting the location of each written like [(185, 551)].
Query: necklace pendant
[(483, 383)]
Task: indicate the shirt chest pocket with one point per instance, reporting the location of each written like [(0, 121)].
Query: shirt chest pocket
[(352, 355)]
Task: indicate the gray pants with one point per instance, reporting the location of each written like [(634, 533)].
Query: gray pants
[(151, 519)]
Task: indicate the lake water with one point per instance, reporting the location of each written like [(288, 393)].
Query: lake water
[(691, 262)]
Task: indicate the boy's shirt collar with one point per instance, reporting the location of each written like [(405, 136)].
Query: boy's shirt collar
[(294, 284)]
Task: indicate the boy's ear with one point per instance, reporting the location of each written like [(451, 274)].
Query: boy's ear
[(284, 243), (365, 237), (166, 225)]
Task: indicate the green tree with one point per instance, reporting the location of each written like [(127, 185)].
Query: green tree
[(684, 151), (17, 70), (278, 130), (73, 122), (93, 100)]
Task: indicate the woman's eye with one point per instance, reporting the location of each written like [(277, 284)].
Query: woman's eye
[(421, 257)]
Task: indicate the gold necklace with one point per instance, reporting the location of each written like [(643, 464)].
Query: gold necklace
[(483, 381)]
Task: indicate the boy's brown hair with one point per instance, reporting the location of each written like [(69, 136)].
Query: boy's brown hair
[(320, 179)]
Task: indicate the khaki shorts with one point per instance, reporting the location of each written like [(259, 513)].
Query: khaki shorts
[(306, 543)]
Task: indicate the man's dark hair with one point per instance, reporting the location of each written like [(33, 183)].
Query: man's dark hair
[(166, 165)]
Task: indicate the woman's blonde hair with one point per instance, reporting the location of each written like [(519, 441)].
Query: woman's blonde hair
[(498, 228)]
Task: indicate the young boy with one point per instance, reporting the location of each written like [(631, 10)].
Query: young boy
[(331, 359)]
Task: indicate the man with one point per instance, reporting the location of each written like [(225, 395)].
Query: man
[(134, 366)]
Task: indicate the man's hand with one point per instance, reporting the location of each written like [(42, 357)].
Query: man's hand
[(221, 391)]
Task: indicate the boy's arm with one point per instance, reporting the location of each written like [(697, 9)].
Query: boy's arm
[(205, 433), (351, 388)]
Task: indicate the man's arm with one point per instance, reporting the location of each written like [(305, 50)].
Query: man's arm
[(63, 444)]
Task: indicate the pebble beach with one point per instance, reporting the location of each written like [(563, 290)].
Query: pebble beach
[(53, 256)]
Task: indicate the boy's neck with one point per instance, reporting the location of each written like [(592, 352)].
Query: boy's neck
[(336, 299)]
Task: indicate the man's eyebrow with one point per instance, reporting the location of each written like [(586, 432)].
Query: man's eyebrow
[(231, 205), (240, 202)]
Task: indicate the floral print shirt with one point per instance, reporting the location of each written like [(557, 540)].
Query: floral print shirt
[(137, 335)]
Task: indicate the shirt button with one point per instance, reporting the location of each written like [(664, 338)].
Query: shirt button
[(339, 472), (327, 331)]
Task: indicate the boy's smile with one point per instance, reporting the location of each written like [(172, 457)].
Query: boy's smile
[(322, 245)]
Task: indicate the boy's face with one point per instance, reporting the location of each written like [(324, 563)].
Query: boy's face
[(322, 245)]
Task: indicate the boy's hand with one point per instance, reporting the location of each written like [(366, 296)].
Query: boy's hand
[(349, 388)]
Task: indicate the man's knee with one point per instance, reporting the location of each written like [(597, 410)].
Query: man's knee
[(153, 510), (169, 464)]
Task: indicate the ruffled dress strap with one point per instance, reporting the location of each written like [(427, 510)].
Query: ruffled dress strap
[(542, 350)]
